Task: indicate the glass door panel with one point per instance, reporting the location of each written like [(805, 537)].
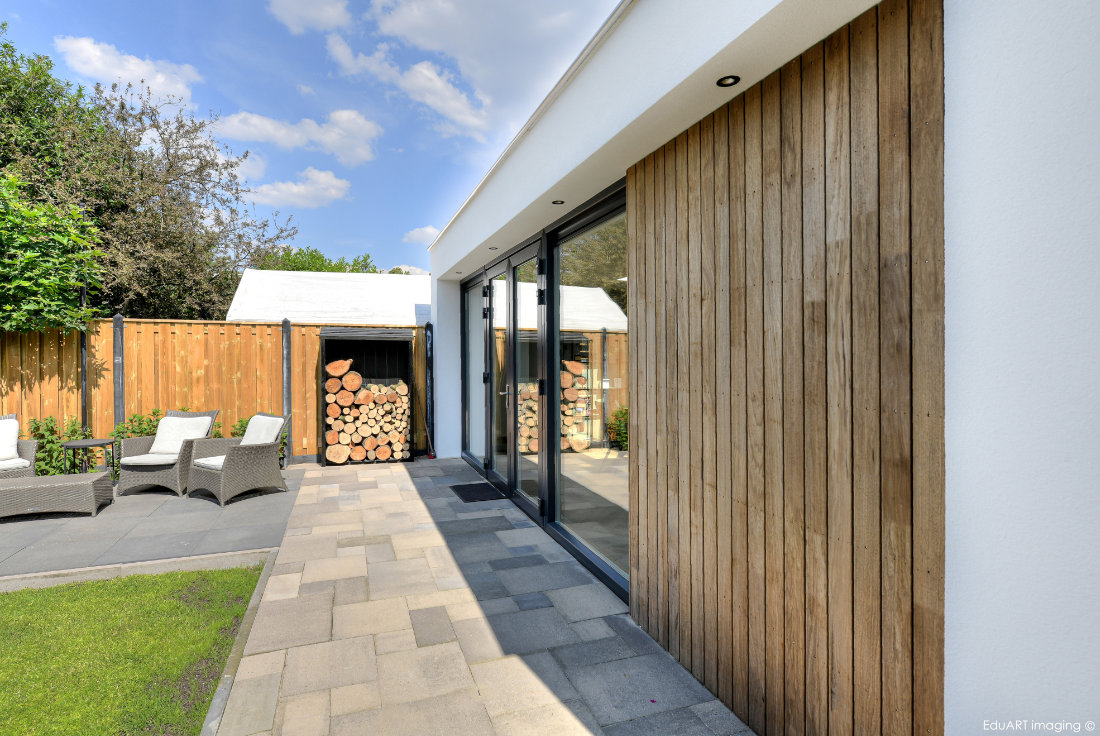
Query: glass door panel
[(591, 362), (526, 390), (499, 363), (475, 412)]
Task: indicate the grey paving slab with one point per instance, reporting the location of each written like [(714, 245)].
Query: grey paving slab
[(530, 601), (682, 722), (431, 626), (329, 664), (720, 720), (138, 548), (586, 601), (242, 537), (140, 527), (593, 652), (625, 689), (290, 623), (544, 577), (511, 562)]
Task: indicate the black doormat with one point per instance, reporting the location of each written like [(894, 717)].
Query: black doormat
[(470, 492)]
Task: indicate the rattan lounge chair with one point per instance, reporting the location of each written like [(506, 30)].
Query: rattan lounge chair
[(21, 466), (235, 465), (143, 465)]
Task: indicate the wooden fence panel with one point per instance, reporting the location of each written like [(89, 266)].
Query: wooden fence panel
[(828, 263), (235, 367)]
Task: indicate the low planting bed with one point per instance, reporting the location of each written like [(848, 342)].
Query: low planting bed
[(139, 655)]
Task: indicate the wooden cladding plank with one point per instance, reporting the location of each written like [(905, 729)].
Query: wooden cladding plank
[(658, 505), (683, 330), (814, 388), (695, 398), (739, 594), (771, 159), (754, 349), (708, 429), (647, 450), (632, 237), (672, 415), (838, 290), (866, 552), (794, 628), (926, 218), (895, 382), (723, 422)]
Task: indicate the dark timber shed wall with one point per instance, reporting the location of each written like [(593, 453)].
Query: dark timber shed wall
[(786, 310)]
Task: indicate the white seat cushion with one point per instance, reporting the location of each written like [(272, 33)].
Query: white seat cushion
[(9, 439), (262, 430), (213, 463), (16, 463), (153, 458), (172, 431)]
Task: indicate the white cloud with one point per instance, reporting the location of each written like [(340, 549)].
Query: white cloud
[(102, 62), (315, 15), (511, 53), (252, 168), (313, 189), (424, 82), (305, 89), (347, 135), (421, 235), (414, 270)]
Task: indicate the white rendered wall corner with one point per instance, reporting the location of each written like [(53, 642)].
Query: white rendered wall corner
[(1022, 227), (447, 371)]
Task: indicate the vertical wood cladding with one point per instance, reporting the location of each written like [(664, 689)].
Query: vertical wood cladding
[(786, 274)]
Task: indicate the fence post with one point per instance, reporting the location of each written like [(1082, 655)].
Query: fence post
[(83, 372), (429, 386), (119, 370), (286, 393)]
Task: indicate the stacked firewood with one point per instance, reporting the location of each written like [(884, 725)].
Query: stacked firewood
[(367, 422), (575, 410)]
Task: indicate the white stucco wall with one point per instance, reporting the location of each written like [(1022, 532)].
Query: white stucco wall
[(447, 331), (1022, 212)]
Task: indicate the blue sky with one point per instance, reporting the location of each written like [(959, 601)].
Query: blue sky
[(369, 121)]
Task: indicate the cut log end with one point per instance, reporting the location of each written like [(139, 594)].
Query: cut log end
[(338, 454), (352, 381), (337, 368)]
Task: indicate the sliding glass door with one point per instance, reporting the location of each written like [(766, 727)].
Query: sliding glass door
[(545, 392)]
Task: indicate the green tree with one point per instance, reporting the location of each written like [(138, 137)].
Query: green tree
[(166, 198), (598, 258), (46, 255), (287, 258)]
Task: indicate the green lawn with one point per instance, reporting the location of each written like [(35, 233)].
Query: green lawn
[(123, 657)]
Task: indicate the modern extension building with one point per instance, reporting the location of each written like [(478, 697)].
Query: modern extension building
[(779, 314)]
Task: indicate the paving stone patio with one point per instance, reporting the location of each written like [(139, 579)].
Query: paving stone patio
[(146, 525), (394, 608)]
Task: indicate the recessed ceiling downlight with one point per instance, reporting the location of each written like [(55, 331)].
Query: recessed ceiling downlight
[(558, 201), (728, 81)]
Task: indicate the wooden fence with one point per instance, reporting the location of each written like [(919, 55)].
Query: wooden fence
[(236, 367)]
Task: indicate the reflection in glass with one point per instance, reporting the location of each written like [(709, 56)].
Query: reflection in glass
[(499, 309), (592, 389), (526, 399), (475, 368)]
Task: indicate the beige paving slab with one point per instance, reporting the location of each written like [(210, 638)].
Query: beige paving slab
[(425, 672), (400, 578), (305, 715), (527, 681), (370, 617), (335, 568), (329, 664), (281, 587), (354, 698)]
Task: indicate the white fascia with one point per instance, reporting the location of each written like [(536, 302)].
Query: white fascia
[(648, 74)]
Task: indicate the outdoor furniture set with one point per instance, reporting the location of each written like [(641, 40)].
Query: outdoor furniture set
[(181, 456)]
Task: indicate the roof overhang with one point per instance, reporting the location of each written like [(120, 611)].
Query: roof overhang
[(648, 74)]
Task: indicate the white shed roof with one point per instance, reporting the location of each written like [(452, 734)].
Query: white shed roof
[(332, 298), (582, 309)]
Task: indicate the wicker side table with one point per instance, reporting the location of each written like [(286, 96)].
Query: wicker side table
[(81, 493)]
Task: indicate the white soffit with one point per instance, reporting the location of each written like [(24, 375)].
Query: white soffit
[(306, 297), (648, 75)]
